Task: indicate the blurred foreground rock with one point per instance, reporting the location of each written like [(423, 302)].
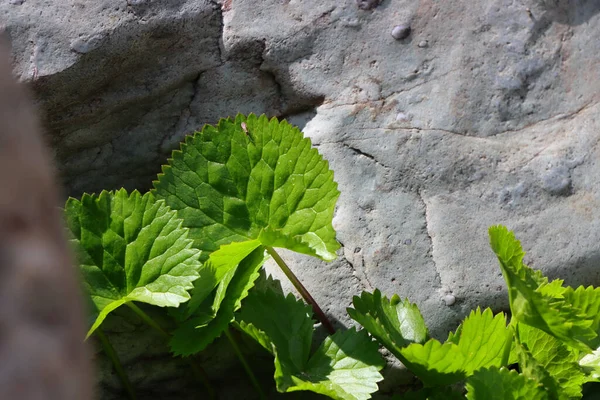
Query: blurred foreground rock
[(42, 354)]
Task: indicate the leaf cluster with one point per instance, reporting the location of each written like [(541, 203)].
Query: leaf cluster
[(196, 243), (546, 351)]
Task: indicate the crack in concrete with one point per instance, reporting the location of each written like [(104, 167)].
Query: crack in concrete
[(426, 216), (356, 273), (219, 8), (369, 285), (195, 86), (364, 154), (432, 79), (365, 282), (379, 103), (188, 109), (384, 100), (558, 117), (308, 27)]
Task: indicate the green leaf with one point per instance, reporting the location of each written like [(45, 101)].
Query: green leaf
[(435, 363), (345, 366), (196, 333), (267, 183), (535, 302), (502, 384), (131, 248), (220, 265), (553, 289), (532, 369), (587, 303), (285, 320), (394, 323), (480, 342), (591, 365), (483, 339), (554, 357), (438, 393)]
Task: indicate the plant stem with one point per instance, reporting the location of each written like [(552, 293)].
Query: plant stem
[(303, 292), (508, 345), (147, 319), (239, 354), (198, 370), (112, 355), (201, 374)]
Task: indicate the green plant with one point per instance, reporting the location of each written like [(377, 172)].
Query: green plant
[(195, 245), (550, 340)]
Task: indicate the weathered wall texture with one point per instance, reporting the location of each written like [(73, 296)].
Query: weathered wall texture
[(484, 114)]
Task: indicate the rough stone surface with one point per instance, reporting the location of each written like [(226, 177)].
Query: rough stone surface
[(485, 114)]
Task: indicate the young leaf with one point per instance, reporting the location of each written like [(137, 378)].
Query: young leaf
[(345, 366), (435, 363), (531, 368), (502, 384), (131, 248), (394, 323), (535, 302), (480, 342), (195, 334), (483, 339), (263, 181), (554, 357), (587, 302), (220, 265)]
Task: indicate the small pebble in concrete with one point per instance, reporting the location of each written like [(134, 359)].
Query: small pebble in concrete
[(407, 242), (449, 299), (423, 43), (401, 32)]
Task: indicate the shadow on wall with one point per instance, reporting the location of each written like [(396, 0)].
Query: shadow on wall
[(568, 12), (564, 12), (581, 271)]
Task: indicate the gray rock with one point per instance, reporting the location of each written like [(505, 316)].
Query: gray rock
[(492, 122)]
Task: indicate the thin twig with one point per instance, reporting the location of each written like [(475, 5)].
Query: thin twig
[(147, 319), (245, 364), (303, 292), (109, 350), (201, 374)]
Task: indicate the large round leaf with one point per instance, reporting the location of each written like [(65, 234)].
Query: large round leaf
[(252, 178)]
